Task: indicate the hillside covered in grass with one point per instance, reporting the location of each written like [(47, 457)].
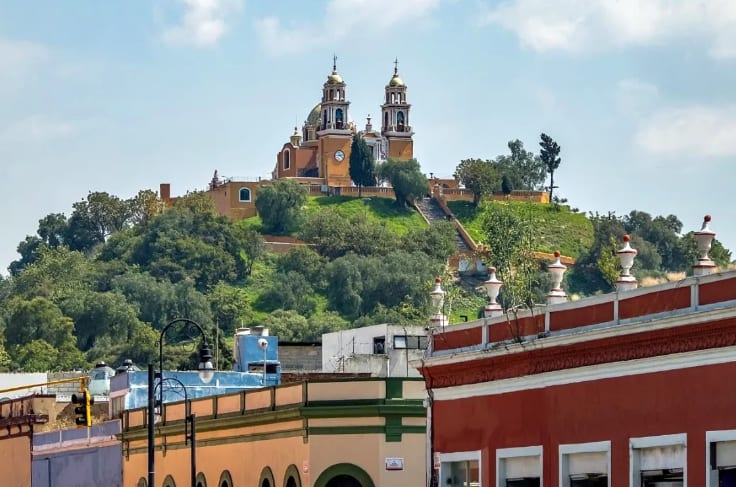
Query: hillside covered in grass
[(555, 227)]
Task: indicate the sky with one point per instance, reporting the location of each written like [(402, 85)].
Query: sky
[(123, 96)]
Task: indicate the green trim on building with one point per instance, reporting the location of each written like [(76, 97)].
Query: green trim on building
[(394, 387), (344, 469)]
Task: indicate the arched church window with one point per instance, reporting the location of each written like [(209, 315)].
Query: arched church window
[(287, 160), (338, 118), (324, 119), (385, 121), (400, 121), (244, 195)]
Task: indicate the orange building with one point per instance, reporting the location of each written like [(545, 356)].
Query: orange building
[(339, 433)]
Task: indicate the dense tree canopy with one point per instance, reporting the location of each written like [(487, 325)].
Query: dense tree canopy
[(279, 204), (406, 178), (480, 177)]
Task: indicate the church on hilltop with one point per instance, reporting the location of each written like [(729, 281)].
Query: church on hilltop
[(320, 154)]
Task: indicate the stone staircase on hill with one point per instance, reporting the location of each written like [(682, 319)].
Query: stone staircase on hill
[(433, 212)]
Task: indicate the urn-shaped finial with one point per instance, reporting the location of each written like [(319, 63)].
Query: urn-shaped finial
[(493, 287), (704, 239), (626, 255), (556, 272)]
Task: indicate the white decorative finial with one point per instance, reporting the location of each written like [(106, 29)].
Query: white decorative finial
[(626, 281), (556, 272), (493, 287), (704, 239), (438, 300)]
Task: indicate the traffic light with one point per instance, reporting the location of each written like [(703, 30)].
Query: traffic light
[(83, 411)]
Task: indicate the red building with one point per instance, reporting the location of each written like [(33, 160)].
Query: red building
[(632, 388)]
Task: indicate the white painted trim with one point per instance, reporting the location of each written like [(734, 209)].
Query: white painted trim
[(635, 444), (250, 194), (590, 373), (573, 448), (715, 437), (593, 447), (524, 451), (461, 456), (659, 441), (609, 331)]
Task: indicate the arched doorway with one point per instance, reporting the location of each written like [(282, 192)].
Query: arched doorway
[(344, 475), (344, 481)]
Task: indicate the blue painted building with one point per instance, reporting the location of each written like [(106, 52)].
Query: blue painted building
[(253, 351)]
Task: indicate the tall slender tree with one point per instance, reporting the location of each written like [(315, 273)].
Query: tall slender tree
[(550, 156), (362, 165)]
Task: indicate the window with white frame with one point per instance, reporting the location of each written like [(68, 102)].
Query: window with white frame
[(461, 469), (519, 467), (585, 464), (659, 461), (244, 195), (287, 160), (720, 458)]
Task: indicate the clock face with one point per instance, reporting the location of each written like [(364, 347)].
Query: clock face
[(339, 156)]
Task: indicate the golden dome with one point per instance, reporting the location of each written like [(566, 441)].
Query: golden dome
[(396, 81), (313, 117), (334, 78)]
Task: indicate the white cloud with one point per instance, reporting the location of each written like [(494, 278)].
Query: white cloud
[(592, 25), (37, 128), (342, 18), (695, 130), (204, 22)]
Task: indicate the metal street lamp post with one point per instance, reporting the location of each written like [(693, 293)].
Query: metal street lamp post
[(206, 371)]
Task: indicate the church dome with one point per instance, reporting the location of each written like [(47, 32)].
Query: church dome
[(334, 78), (313, 117), (396, 81)]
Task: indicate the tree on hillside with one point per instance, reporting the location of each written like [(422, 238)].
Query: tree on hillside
[(510, 240), (278, 205), (506, 187), (480, 177), (406, 178), (94, 219), (525, 170), (144, 207), (362, 165), (550, 157)]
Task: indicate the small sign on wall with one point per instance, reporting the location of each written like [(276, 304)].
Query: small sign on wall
[(394, 463), (436, 461)]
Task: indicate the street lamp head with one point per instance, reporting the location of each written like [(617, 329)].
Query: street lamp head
[(206, 368), (263, 344)]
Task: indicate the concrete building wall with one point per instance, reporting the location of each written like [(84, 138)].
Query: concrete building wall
[(357, 350), (79, 457), (298, 357)]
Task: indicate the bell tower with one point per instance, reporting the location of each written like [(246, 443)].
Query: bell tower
[(334, 118), (334, 131), (395, 119)]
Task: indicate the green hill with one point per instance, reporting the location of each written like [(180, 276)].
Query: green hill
[(557, 227)]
